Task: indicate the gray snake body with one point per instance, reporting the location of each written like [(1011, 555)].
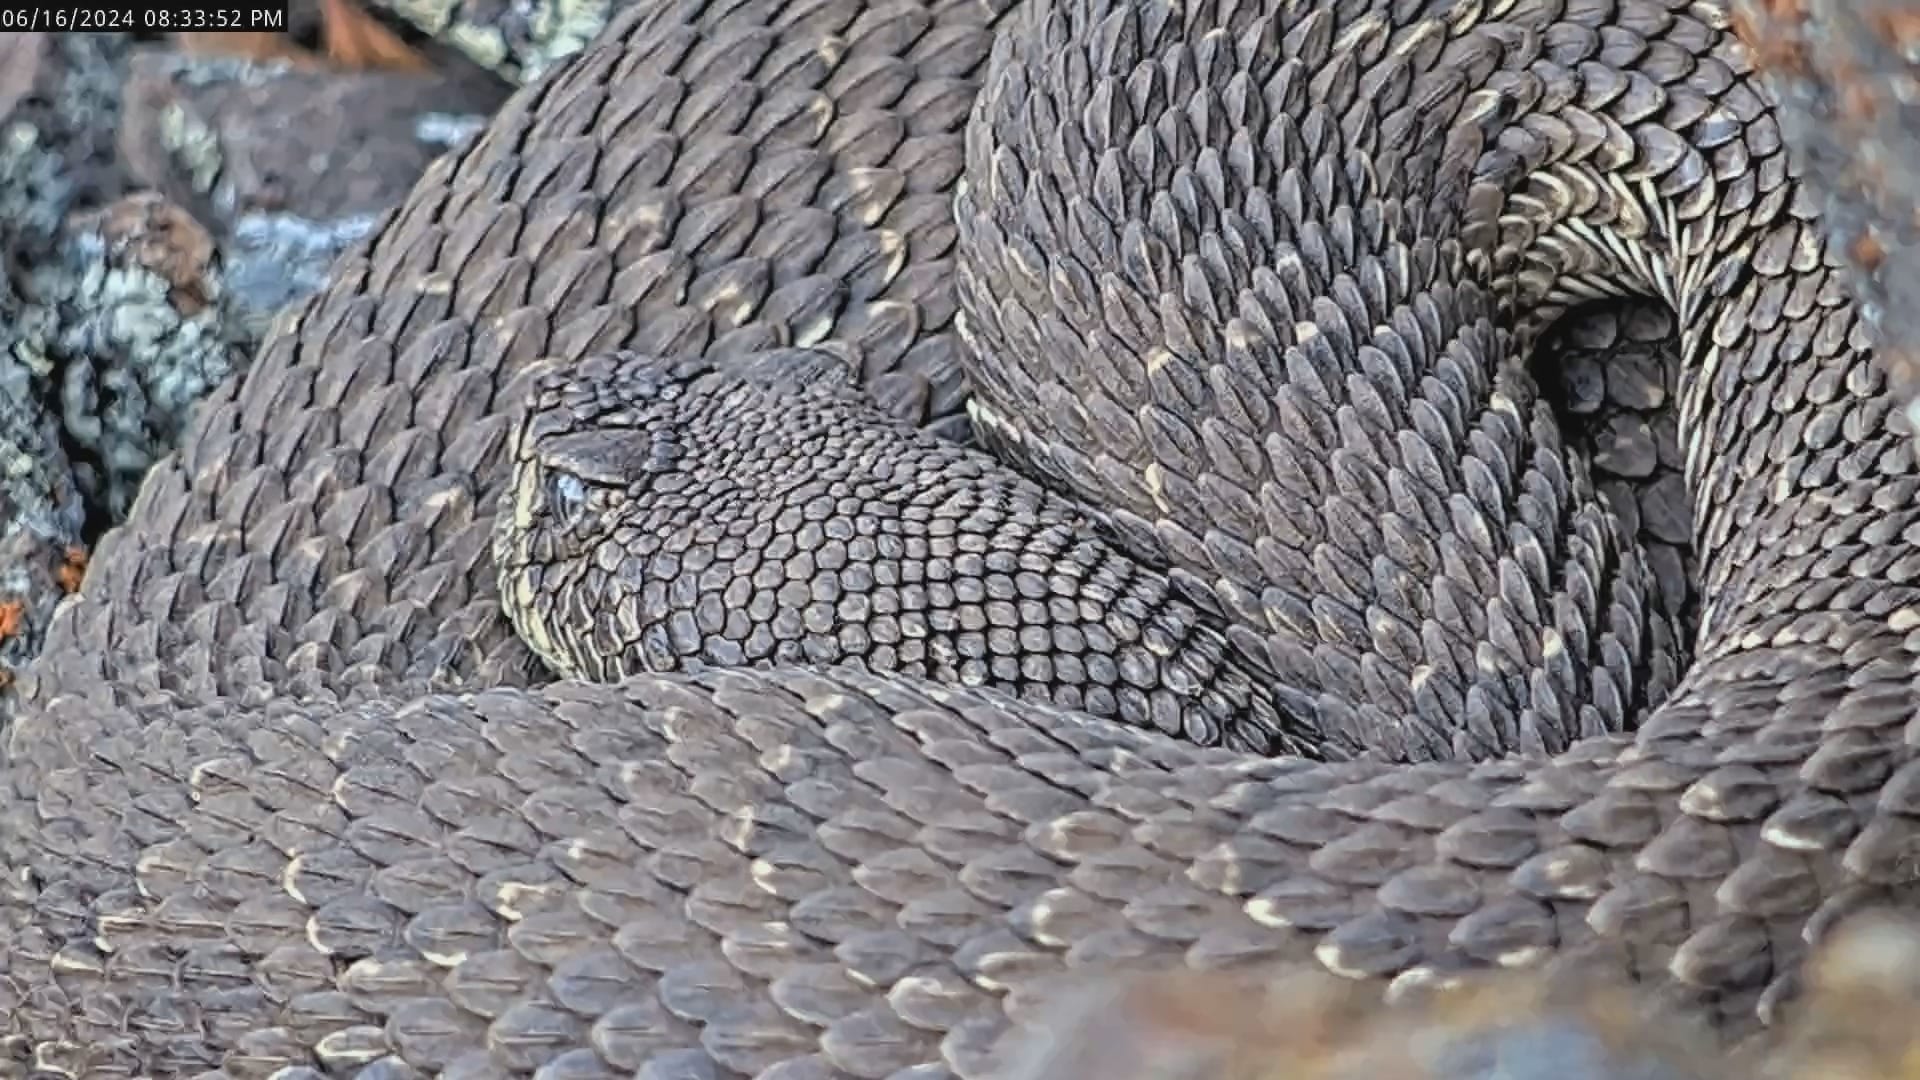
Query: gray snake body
[(1254, 284)]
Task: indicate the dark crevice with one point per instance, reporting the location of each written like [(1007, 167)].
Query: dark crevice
[(1610, 371)]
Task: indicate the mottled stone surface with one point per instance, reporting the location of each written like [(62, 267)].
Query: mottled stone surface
[(139, 330), (517, 38), (59, 98), (156, 209), (290, 167)]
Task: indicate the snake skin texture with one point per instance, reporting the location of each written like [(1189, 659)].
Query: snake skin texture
[(1331, 230), (289, 796), (1613, 372), (667, 512)]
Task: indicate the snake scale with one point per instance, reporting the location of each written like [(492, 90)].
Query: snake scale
[(1245, 290)]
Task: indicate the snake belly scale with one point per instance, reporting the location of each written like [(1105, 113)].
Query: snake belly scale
[(1246, 290)]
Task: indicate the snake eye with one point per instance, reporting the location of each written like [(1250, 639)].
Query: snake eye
[(566, 499)]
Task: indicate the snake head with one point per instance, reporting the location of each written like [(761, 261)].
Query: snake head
[(618, 423), (595, 436), (622, 453)]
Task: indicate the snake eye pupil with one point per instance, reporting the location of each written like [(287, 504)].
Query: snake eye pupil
[(566, 498)]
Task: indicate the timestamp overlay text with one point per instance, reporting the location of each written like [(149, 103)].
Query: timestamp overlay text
[(83, 16)]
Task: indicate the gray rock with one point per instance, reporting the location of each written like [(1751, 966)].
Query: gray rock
[(289, 167), (229, 138), (119, 312), (59, 98), (140, 331), (519, 39)]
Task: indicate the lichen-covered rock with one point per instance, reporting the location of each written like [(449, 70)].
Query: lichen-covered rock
[(41, 520), (139, 332), (519, 39), (119, 312), (59, 104), (36, 571)]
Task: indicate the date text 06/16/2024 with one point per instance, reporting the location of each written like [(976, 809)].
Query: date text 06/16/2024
[(77, 16)]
